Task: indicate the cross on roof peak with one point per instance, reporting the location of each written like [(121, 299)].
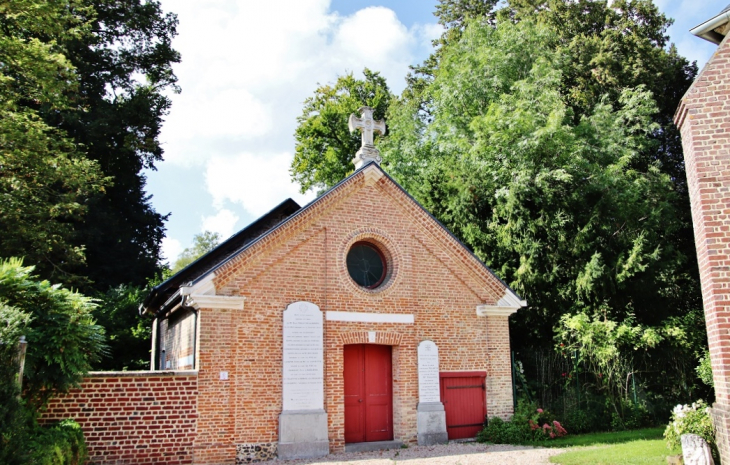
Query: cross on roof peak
[(368, 126)]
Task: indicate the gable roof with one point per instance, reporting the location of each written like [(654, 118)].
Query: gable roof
[(209, 263), (715, 28)]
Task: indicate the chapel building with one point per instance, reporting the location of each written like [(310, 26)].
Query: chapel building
[(356, 322)]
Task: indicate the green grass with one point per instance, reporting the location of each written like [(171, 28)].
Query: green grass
[(602, 439), (639, 447)]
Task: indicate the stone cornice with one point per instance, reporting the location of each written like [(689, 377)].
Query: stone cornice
[(506, 306), (198, 301), (494, 310)]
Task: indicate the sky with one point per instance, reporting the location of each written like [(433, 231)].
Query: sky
[(247, 67)]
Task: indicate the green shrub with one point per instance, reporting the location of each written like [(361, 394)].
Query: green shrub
[(632, 416), (704, 369), (578, 421), (60, 444), (694, 419)]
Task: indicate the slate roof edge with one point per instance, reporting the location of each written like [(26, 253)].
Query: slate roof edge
[(178, 278)]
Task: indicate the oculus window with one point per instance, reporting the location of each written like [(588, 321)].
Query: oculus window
[(366, 265)]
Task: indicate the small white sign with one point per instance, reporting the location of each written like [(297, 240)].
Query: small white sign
[(224, 376)]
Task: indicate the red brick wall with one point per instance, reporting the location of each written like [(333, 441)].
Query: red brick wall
[(704, 120), (432, 277), (133, 417)]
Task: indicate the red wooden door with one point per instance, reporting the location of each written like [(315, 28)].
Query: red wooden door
[(464, 400), (368, 393)]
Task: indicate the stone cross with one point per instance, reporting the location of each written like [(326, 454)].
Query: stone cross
[(368, 126)]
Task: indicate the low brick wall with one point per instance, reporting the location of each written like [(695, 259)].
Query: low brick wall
[(135, 417)]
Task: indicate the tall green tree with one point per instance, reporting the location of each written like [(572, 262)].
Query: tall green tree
[(45, 180), (83, 91), (324, 145), (568, 205), (124, 68)]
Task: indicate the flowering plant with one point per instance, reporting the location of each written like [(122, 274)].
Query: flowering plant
[(528, 425), (693, 419)]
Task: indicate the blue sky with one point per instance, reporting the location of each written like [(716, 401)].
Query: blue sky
[(248, 66)]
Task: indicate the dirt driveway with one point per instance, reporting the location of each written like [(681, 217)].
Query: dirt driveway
[(450, 454)]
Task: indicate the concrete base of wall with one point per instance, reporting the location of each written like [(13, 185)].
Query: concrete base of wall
[(721, 419), (431, 423), (303, 434)]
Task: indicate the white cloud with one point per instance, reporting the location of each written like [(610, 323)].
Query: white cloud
[(257, 183), (222, 223), (248, 66), (171, 249)]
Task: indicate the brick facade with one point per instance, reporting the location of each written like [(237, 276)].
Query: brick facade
[(133, 417), (431, 276), (704, 121)]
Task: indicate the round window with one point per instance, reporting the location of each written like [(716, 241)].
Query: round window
[(366, 265)]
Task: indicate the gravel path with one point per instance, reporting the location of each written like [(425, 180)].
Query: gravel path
[(449, 454)]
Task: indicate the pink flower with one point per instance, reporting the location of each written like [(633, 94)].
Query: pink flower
[(533, 426), (559, 428), (552, 435), (539, 410)]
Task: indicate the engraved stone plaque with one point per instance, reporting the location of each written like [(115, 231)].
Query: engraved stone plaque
[(428, 372), (303, 371)]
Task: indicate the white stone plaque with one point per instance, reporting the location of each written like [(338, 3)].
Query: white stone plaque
[(428, 372), (303, 370)]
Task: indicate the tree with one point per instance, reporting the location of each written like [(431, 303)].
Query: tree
[(124, 68), (83, 87), (324, 146), (45, 182), (202, 244), (129, 335), (63, 339), (564, 206)]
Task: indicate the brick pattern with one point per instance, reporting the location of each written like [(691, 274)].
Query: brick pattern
[(133, 417), (363, 337), (431, 277), (704, 121)]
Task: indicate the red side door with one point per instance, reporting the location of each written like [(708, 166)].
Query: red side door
[(464, 397), (368, 393)]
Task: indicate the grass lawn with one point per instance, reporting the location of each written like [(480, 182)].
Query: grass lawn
[(644, 446)]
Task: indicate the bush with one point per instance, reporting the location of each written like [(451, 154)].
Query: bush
[(578, 421), (529, 424), (694, 419), (633, 416), (60, 444)]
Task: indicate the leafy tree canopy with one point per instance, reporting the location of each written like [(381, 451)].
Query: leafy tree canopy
[(45, 181), (82, 99), (124, 67), (324, 145), (202, 244)]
